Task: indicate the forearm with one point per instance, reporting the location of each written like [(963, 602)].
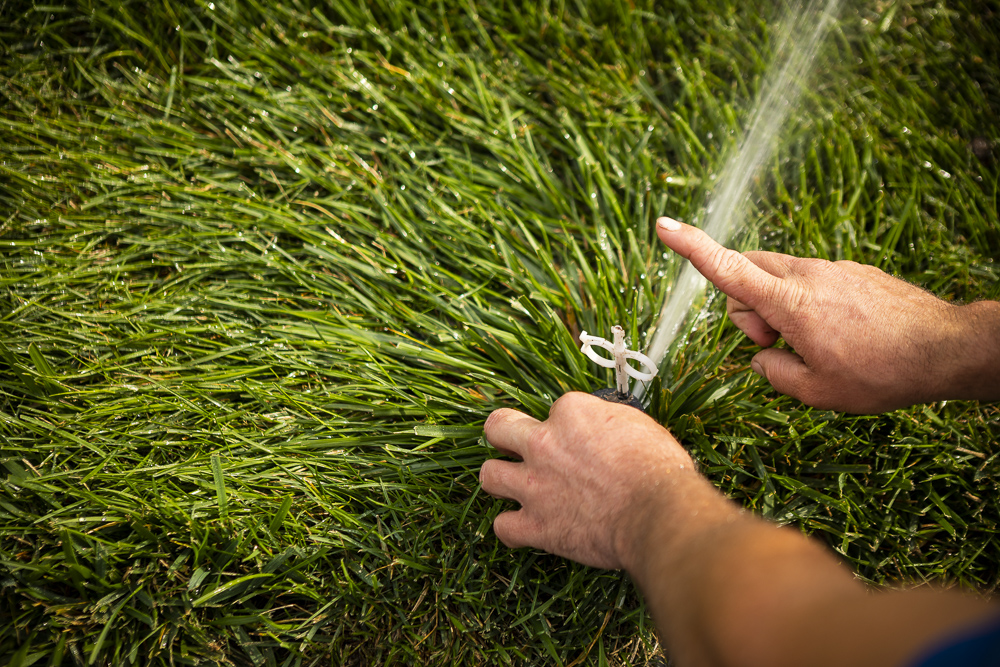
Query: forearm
[(726, 596), (609, 487), (743, 592)]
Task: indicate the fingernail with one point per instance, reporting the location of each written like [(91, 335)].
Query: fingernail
[(668, 224), (756, 367)]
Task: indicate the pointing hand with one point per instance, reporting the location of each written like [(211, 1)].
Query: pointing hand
[(863, 341)]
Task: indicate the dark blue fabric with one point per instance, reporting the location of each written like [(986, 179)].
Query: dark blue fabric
[(972, 647)]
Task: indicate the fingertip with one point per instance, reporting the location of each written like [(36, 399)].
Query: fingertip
[(497, 417), (766, 337), (507, 528), (669, 224), (484, 473), (785, 370), (754, 326), (491, 420)]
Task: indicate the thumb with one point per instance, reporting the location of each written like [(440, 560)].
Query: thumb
[(785, 370)]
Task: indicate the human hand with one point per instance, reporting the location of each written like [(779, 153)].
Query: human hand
[(863, 341), (592, 480)]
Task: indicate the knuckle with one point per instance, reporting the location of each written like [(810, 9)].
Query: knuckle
[(539, 442), (568, 402), (816, 272), (559, 404), (794, 298), (815, 264), (727, 262), (848, 264), (849, 268), (729, 268)]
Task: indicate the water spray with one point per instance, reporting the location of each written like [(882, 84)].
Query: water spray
[(726, 210)]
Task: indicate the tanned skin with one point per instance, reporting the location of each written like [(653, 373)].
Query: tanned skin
[(607, 486)]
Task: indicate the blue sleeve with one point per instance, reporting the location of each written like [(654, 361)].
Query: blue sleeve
[(978, 646)]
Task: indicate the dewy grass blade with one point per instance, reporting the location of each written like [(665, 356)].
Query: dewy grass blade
[(310, 251), (220, 486)]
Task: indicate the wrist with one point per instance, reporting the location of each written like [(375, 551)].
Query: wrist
[(972, 362), (677, 514)]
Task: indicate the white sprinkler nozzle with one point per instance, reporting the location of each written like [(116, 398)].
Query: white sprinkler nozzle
[(621, 355)]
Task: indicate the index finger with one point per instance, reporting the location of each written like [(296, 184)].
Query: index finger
[(727, 269), (509, 430)]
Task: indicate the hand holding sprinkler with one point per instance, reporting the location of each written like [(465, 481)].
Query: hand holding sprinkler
[(621, 355)]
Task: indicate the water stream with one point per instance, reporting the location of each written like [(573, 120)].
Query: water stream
[(799, 39)]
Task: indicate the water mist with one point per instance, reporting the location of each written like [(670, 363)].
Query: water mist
[(728, 205)]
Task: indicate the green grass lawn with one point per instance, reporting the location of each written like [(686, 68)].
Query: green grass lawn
[(266, 268)]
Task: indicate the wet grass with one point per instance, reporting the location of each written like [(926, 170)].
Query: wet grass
[(267, 267)]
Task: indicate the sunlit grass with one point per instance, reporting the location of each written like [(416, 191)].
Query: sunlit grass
[(267, 268)]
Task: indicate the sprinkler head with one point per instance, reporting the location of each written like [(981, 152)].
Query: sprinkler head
[(621, 355)]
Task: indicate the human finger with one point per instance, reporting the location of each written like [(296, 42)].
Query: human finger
[(750, 323), (727, 269), (503, 479), (786, 371), (515, 529), (572, 402), (509, 430), (777, 264)]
